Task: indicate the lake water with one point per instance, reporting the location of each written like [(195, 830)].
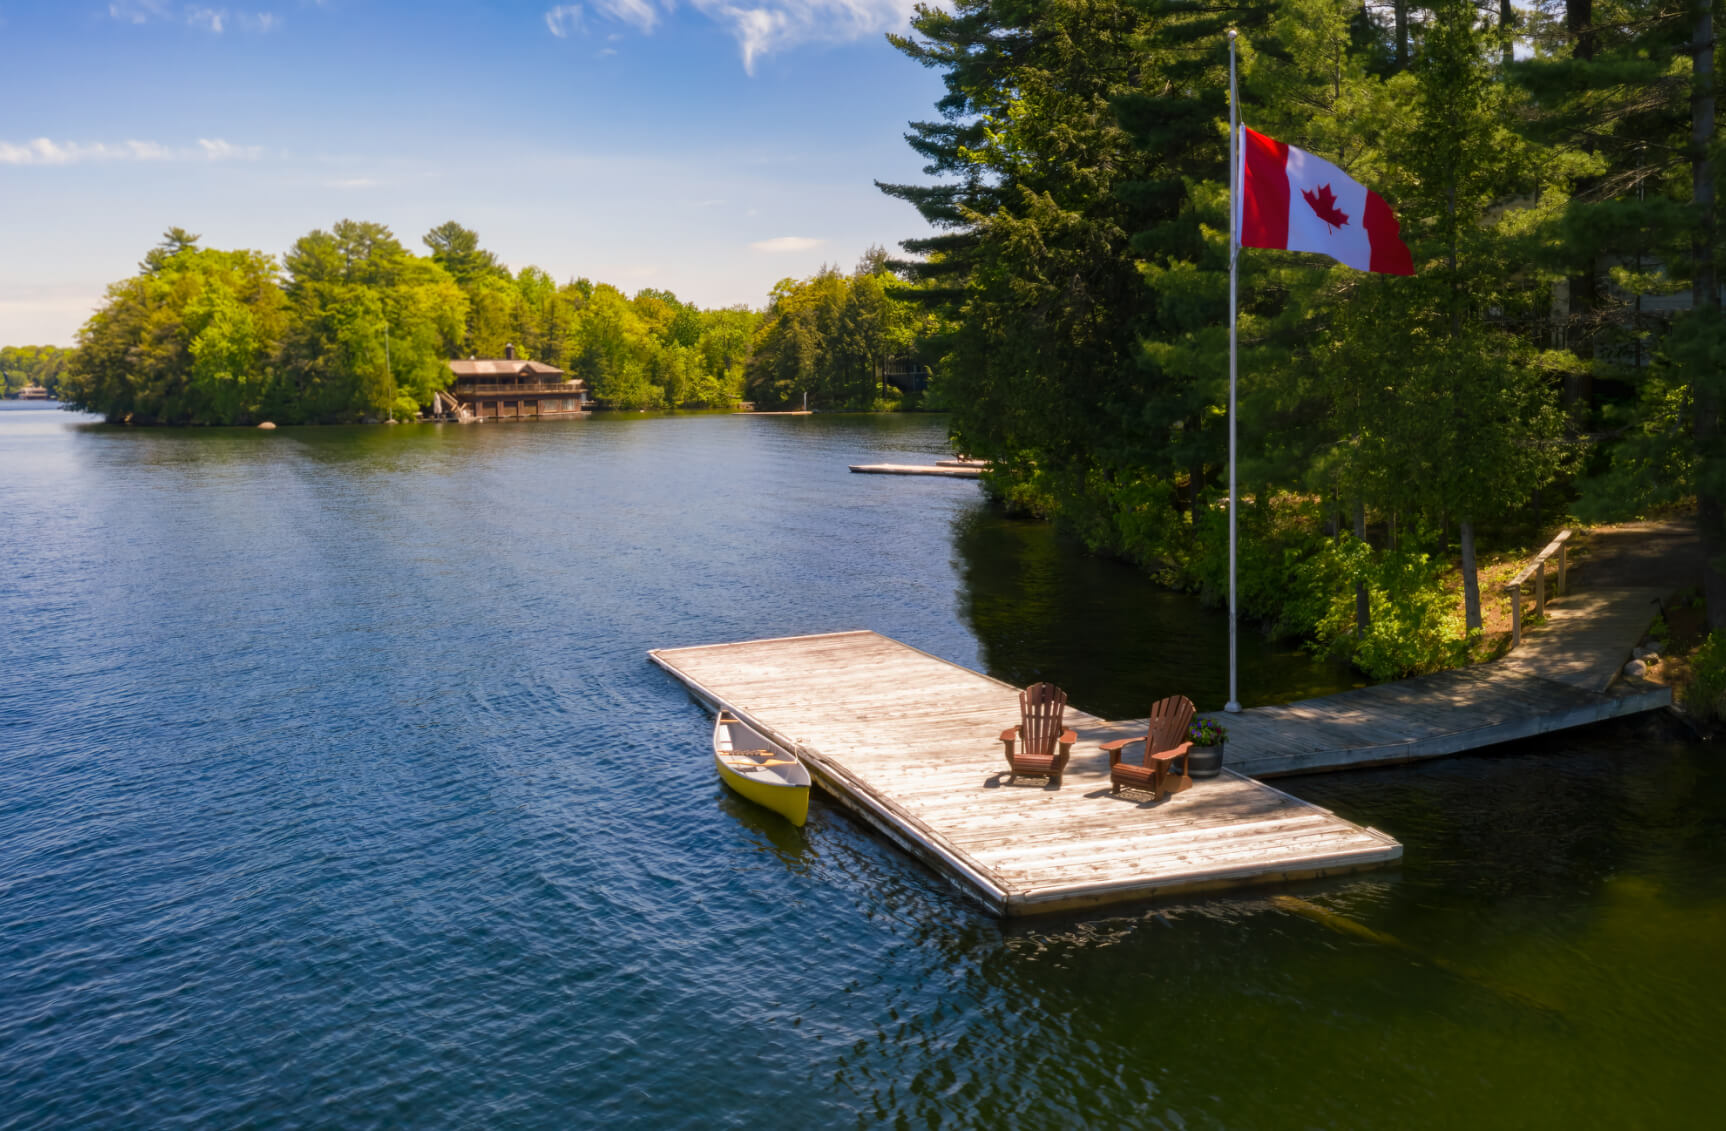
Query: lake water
[(336, 789)]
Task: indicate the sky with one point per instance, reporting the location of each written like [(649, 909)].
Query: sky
[(708, 147)]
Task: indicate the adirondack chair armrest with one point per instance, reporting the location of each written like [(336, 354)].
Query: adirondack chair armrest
[(1171, 754), (1008, 738), (1120, 742), (1068, 737)]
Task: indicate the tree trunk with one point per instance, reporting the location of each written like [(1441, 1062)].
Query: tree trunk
[(1401, 8), (1705, 303), (1470, 579), (1506, 23), (1362, 602), (1579, 22), (1584, 301)]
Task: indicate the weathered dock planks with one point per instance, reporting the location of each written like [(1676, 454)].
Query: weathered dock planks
[(907, 740)]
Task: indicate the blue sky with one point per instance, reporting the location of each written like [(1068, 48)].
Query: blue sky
[(711, 147)]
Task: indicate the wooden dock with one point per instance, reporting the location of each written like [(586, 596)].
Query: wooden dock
[(1565, 674), (907, 740), (947, 470)]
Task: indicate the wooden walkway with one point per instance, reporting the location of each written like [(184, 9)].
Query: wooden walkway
[(907, 740), (1565, 674)]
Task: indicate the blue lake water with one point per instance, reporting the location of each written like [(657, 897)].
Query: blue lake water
[(336, 790)]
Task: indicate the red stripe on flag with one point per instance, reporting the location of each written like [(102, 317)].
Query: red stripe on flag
[(1264, 192), (1389, 254)]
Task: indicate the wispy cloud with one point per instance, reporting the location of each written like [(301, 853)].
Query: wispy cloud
[(760, 28), (640, 14), (204, 18), (563, 19), (210, 19), (775, 25), (787, 243), (215, 149), (46, 151)]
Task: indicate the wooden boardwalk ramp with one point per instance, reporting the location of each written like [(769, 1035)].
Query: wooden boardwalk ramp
[(1565, 674), (907, 740)]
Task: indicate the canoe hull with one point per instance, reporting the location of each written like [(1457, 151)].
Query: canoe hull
[(777, 781)]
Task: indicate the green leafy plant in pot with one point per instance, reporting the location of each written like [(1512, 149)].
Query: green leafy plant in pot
[(1205, 755)]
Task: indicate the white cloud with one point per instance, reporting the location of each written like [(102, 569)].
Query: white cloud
[(787, 243), (218, 150), (761, 27), (563, 19), (46, 151), (212, 20), (137, 11), (640, 14), (353, 183), (774, 25)]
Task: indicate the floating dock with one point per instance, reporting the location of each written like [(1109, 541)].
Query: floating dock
[(950, 469), (907, 740)]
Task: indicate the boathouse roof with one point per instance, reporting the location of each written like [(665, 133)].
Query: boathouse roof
[(502, 367)]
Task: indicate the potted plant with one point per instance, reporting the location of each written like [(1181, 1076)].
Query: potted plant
[(1205, 755)]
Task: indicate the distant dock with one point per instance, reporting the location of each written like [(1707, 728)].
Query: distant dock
[(949, 468), (907, 741)]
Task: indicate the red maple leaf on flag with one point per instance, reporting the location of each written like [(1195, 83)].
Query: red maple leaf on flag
[(1324, 204)]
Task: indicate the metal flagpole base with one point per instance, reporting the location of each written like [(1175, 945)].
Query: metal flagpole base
[(1232, 707)]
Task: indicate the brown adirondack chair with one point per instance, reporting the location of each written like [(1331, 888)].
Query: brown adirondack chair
[(1165, 744), (1039, 745)]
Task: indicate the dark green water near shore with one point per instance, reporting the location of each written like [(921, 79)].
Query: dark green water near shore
[(336, 789)]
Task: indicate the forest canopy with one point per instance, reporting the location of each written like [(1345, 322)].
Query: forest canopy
[(350, 325), (1560, 347)]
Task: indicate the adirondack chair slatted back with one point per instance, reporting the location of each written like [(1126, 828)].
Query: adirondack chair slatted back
[(1041, 707), (1169, 721)]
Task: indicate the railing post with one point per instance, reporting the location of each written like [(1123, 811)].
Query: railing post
[(1561, 548), (1540, 591), (1515, 615)]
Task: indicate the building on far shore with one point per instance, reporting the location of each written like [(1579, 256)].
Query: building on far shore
[(33, 393), (509, 388)]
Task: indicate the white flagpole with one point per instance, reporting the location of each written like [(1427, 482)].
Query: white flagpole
[(1233, 706)]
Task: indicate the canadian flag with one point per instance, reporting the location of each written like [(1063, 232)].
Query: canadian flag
[(1291, 199)]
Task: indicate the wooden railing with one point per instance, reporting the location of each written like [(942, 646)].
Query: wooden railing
[(560, 388), (1536, 569)]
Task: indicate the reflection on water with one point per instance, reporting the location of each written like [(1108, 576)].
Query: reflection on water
[(336, 789), (1044, 609)]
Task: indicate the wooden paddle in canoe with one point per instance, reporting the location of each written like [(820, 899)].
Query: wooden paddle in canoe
[(760, 770)]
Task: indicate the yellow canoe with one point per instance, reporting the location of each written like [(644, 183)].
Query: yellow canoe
[(760, 770)]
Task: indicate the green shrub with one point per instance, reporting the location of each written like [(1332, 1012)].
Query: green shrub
[(1705, 694), (1415, 625)]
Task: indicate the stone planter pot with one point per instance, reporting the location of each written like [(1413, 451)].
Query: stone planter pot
[(1204, 761)]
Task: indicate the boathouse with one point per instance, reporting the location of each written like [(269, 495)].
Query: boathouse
[(511, 388)]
